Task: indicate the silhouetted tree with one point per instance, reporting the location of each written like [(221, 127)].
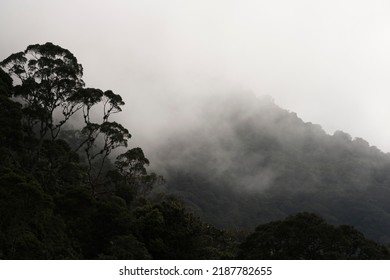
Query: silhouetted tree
[(49, 76), (131, 167), (51, 90)]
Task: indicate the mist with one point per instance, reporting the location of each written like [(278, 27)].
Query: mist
[(251, 111), (325, 61), (203, 81)]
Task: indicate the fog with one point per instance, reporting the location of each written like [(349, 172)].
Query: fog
[(328, 61)]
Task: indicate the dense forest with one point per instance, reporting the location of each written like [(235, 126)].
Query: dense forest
[(238, 190)]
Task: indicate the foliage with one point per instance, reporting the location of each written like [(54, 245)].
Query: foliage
[(49, 76), (51, 91), (308, 236), (29, 228), (10, 115), (171, 232)]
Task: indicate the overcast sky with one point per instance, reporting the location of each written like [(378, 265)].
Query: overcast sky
[(329, 61)]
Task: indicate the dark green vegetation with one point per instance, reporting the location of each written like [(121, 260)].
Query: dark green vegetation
[(64, 196), (308, 237), (60, 195)]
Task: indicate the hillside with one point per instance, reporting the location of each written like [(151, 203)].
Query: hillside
[(248, 161)]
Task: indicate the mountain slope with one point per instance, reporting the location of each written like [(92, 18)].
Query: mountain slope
[(247, 161)]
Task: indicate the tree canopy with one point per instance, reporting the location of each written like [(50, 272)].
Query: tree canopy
[(307, 236)]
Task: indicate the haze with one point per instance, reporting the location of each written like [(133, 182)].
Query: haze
[(326, 60)]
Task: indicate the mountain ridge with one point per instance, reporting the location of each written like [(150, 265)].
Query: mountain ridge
[(250, 161)]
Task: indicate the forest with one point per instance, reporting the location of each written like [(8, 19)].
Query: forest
[(252, 182)]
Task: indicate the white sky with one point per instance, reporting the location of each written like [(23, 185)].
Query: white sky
[(329, 61)]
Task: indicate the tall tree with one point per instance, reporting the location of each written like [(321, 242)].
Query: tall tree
[(48, 77), (50, 88)]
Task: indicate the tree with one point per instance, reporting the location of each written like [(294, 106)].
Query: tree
[(114, 135), (51, 91), (133, 177), (10, 115), (29, 227), (48, 77), (308, 236), (170, 231)]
